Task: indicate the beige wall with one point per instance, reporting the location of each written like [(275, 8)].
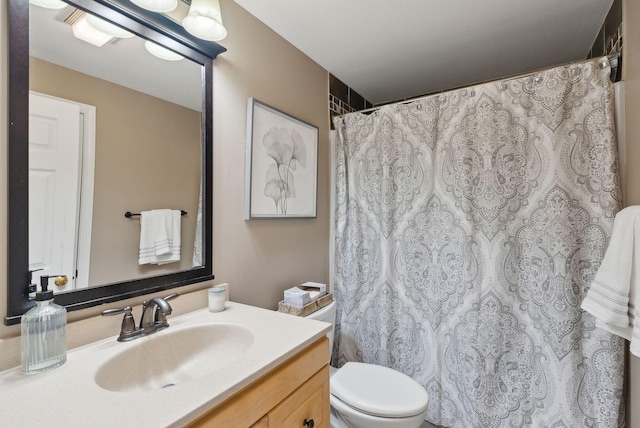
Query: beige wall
[(259, 258), (631, 183), (148, 156)]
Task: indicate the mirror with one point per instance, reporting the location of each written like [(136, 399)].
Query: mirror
[(135, 167)]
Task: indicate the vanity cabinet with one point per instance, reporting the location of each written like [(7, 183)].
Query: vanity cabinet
[(294, 392), (306, 403)]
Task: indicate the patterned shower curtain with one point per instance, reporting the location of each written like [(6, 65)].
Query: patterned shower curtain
[(468, 226)]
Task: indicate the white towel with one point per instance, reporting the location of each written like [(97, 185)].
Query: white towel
[(159, 237), (614, 290)]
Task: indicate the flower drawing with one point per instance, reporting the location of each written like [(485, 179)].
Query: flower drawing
[(287, 150)]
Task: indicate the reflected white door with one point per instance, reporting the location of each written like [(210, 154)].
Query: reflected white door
[(54, 177)]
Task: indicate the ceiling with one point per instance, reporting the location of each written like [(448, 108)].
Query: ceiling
[(390, 50)]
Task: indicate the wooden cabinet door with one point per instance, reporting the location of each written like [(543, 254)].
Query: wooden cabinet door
[(308, 403)]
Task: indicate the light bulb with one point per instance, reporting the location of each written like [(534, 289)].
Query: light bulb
[(204, 20), (108, 28), (86, 32), (162, 52)]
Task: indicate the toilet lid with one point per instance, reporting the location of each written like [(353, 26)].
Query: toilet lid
[(378, 391)]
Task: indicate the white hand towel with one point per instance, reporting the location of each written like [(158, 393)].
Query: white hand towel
[(614, 288), (159, 236), (173, 221)]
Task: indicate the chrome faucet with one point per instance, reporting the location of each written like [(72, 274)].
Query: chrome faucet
[(151, 312), (154, 318)]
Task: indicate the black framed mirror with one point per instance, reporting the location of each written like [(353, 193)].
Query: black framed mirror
[(161, 30)]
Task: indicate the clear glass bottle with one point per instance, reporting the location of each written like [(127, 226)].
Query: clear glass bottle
[(44, 337)]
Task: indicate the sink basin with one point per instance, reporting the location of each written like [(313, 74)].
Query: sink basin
[(174, 357)]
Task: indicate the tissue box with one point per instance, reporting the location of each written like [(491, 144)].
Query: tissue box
[(306, 309), (315, 289), (297, 297)]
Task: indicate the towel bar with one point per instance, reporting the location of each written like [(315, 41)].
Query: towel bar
[(129, 214)]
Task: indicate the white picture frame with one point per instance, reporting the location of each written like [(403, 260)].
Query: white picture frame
[(281, 164)]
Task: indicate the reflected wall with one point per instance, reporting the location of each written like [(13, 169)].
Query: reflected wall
[(148, 156)]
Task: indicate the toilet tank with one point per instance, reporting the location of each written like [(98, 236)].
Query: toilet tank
[(326, 314)]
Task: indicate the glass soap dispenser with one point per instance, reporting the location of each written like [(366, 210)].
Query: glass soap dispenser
[(44, 337)]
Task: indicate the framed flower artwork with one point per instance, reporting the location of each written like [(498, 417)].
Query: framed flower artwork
[(281, 166)]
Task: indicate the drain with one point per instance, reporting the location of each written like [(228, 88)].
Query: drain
[(168, 385)]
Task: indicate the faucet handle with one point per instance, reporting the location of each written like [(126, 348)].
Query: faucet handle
[(169, 297), (128, 328), (116, 311), (172, 296)]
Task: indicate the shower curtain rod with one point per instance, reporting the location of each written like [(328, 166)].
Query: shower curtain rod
[(613, 60)]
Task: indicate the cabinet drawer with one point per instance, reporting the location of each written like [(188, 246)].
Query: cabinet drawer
[(309, 402)]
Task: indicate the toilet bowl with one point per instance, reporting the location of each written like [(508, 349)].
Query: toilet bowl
[(368, 395)]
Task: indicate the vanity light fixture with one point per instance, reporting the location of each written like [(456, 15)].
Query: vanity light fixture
[(204, 20), (86, 32), (162, 52), (108, 28), (49, 4), (157, 5)]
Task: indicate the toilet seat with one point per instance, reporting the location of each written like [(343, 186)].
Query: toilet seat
[(378, 391)]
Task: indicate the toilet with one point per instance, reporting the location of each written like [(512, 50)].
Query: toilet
[(367, 395)]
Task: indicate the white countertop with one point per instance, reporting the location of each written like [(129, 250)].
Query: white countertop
[(68, 396)]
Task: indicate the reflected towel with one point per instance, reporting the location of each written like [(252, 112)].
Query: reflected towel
[(611, 298), (159, 237)]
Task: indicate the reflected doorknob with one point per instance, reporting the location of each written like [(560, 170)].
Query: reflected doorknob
[(61, 280)]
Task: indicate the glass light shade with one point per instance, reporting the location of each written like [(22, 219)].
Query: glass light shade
[(84, 31), (108, 28), (204, 20), (49, 4), (162, 52), (157, 5)]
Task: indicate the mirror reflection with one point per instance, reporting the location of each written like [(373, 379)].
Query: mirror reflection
[(112, 128)]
